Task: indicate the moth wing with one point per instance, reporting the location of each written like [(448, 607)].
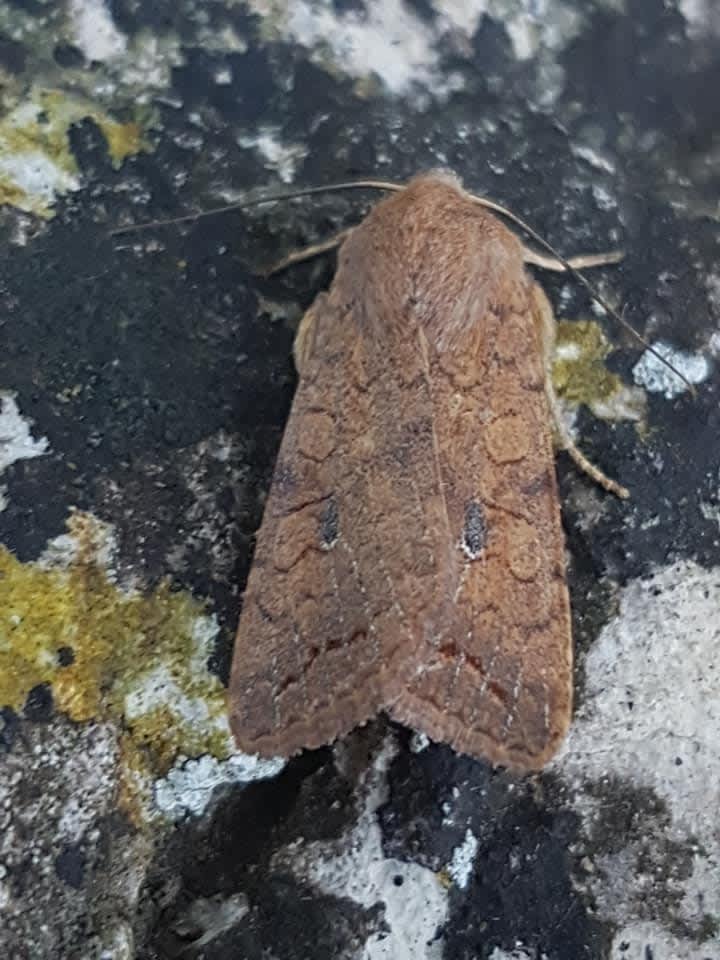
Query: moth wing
[(497, 680), (343, 566), (411, 555)]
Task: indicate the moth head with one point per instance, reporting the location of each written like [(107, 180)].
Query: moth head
[(429, 257)]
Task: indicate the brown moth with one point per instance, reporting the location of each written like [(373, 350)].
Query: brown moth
[(411, 556)]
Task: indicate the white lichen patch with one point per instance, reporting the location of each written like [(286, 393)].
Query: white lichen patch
[(463, 860), (277, 155), (651, 373), (414, 900), (226, 39), (603, 198), (64, 550), (627, 403), (419, 742), (593, 157), (517, 954), (158, 688), (649, 719), (702, 17), (16, 440), (388, 40), (711, 511), (188, 787), (94, 766), (37, 177), (535, 26), (94, 31), (147, 65), (653, 694)]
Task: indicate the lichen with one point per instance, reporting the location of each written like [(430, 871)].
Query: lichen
[(579, 370), (655, 369), (135, 660), (581, 376), (123, 139), (36, 161)]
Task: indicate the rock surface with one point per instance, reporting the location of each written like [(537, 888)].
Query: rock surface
[(144, 382)]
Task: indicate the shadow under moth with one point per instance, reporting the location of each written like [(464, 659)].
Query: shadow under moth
[(411, 556)]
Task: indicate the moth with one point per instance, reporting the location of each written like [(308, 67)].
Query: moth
[(411, 555)]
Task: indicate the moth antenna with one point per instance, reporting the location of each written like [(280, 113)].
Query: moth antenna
[(389, 185), (256, 202)]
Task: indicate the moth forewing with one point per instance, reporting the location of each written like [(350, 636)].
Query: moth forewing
[(411, 555)]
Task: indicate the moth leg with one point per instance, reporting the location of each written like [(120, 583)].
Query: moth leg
[(304, 342), (583, 262), (307, 253), (545, 320)]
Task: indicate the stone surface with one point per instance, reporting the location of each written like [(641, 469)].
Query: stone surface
[(144, 382)]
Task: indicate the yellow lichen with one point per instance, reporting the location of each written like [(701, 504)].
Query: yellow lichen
[(136, 660), (123, 139), (10, 194), (36, 162), (134, 781), (580, 375), (579, 370)]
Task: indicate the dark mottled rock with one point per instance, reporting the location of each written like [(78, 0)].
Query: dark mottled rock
[(39, 703), (157, 366), (70, 865)]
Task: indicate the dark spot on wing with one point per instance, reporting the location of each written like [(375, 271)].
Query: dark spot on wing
[(474, 535), (329, 524)]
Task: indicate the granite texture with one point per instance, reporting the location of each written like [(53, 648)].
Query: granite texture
[(145, 379)]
